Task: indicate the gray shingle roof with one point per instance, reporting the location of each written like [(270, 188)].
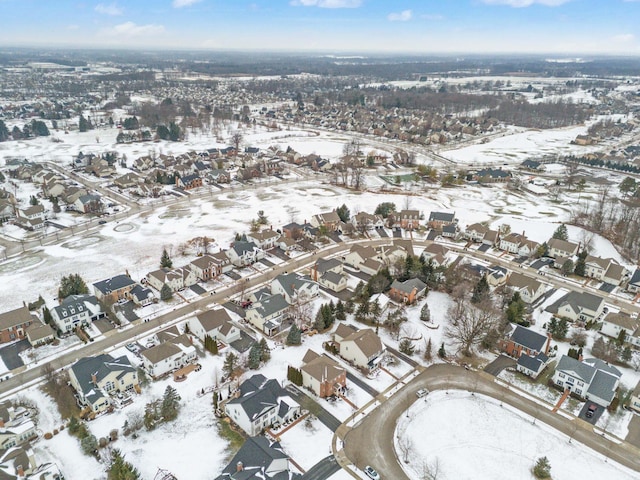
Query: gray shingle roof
[(442, 217), (528, 338), (255, 454), (603, 386), (271, 305), (114, 283), (576, 369), (259, 395)]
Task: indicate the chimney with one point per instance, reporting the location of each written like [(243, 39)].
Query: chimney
[(20, 471), (239, 467), (548, 345), (94, 380), (1, 422)]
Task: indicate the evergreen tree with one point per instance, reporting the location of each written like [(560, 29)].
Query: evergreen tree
[(385, 208), (170, 404), (581, 263), (265, 352), (254, 356), (567, 267), (165, 259), (542, 468), (46, 316), (561, 233), (230, 364), (16, 133), (174, 132), (442, 352), (72, 285), (481, 291), (83, 124), (427, 351), (131, 123), (425, 313), (150, 415), (4, 132), (349, 306), (516, 310), (89, 444), (343, 213), (626, 353), (406, 346), (162, 132), (39, 128), (340, 311), (33, 200), (119, 469), (621, 337), (165, 293), (215, 401), (74, 425), (294, 337)]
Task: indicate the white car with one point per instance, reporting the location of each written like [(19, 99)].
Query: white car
[(422, 392), (371, 473)]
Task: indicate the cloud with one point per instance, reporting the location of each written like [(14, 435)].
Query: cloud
[(111, 9), (526, 3), (184, 3), (432, 16), (130, 30), (326, 3), (403, 16), (624, 38)]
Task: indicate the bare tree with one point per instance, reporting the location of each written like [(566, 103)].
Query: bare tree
[(236, 141), (430, 470), (469, 324), (405, 445)]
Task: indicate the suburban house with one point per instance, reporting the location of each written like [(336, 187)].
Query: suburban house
[(615, 322), (40, 334), (265, 239), (605, 269), (530, 289), (364, 221), (244, 253), (88, 203), (562, 248), (96, 378), (634, 401), (16, 427), (209, 266), (579, 306), (294, 287), (329, 220), (524, 341), (322, 375), (518, 244), (436, 254), (408, 291), (409, 219), (14, 323), (496, 275), (266, 314), (259, 459), (32, 217), (591, 379), (76, 310), (188, 182), (168, 356), (176, 279), (141, 296), (261, 403), (491, 175), (329, 273), (532, 365), (362, 348), (114, 289), (437, 220), (296, 231), (634, 282), (392, 254), (364, 259), (216, 324)]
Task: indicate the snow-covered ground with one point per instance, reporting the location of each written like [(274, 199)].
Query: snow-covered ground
[(494, 441)]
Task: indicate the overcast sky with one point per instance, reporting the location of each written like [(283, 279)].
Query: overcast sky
[(416, 26)]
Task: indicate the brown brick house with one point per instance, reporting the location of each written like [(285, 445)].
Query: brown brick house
[(13, 324), (323, 375), (408, 291)]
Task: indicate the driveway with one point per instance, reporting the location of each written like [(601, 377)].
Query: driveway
[(499, 364), (326, 418), (323, 469), (10, 354), (633, 437)]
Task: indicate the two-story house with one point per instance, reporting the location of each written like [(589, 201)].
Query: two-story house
[(168, 356), (76, 310), (591, 379), (215, 324), (562, 248), (529, 288), (14, 323), (323, 375), (244, 253), (114, 289), (294, 287), (362, 348)]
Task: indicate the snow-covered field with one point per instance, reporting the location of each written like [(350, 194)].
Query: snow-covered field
[(494, 441)]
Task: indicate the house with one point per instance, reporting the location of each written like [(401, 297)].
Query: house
[(362, 348), (294, 287), (591, 379), (32, 217), (437, 220), (40, 334), (436, 254), (496, 275), (391, 254), (76, 310), (19, 463), (634, 401), (329, 273), (532, 365), (616, 274), (409, 219), (244, 253), (529, 288), (615, 322), (322, 375), (491, 175), (16, 427), (265, 239), (359, 255), (605, 269), (14, 323), (329, 220), (408, 291), (524, 341), (128, 180), (114, 289), (96, 378), (189, 182), (579, 306), (286, 244), (562, 248), (259, 459), (297, 231), (216, 324), (141, 296), (518, 245), (364, 221), (634, 282), (172, 278), (266, 314), (450, 231), (168, 356), (88, 203), (261, 403), (210, 266), (532, 165)]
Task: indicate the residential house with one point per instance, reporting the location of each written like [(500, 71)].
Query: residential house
[(532, 365), (529, 288), (88, 204), (364, 258), (634, 401), (75, 311), (329, 273), (7, 210), (297, 231), (634, 282), (114, 289), (615, 322), (408, 291), (40, 334), (96, 378), (491, 175), (363, 349), (259, 459), (32, 217), (532, 165), (189, 182), (322, 375), (524, 341), (364, 221), (261, 403), (481, 234), (329, 220), (16, 427), (219, 176), (605, 269), (215, 324), (168, 356), (437, 220), (14, 323), (209, 266), (496, 275), (244, 253), (266, 314), (591, 379), (409, 219), (562, 248), (579, 306), (141, 296), (19, 463), (265, 239), (128, 180), (294, 287), (176, 279), (436, 254), (518, 245)]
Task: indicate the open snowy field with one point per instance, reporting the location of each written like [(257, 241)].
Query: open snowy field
[(495, 442)]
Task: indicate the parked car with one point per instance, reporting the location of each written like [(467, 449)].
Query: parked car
[(102, 222), (132, 347), (593, 408), (371, 473), (422, 392)]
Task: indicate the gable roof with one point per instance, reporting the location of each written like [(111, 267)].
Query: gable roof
[(75, 304), (635, 278), (522, 282), (325, 264), (562, 245), (114, 283), (215, 320), (99, 366), (242, 247), (292, 282), (622, 319), (258, 395), (528, 338), (576, 369), (322, 368), (255, 455), (442, 217), (581, 300), (270, 305), (408, 285), (15, 317), (366, 340)]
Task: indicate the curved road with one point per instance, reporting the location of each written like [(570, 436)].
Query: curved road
[(370, 442)]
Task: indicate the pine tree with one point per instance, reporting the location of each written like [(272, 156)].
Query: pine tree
[(481, 290), (581, 263), (265, 351), (230, 364), (83, 124), (294, 337), (254, 356), (442, 352), (406, 347), (170, 404), (165, 292), (46, 316), (89, 444), (561, 233), (74, 425), (425, 313), (340, 312), (4, 132), (427, 351), (165, 260), (215, 401), (72, 285), (120, 469), (542, 469)]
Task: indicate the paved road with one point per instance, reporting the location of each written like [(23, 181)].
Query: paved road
[(371, 441), (323, 469), (402, 356), (326, 418)]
